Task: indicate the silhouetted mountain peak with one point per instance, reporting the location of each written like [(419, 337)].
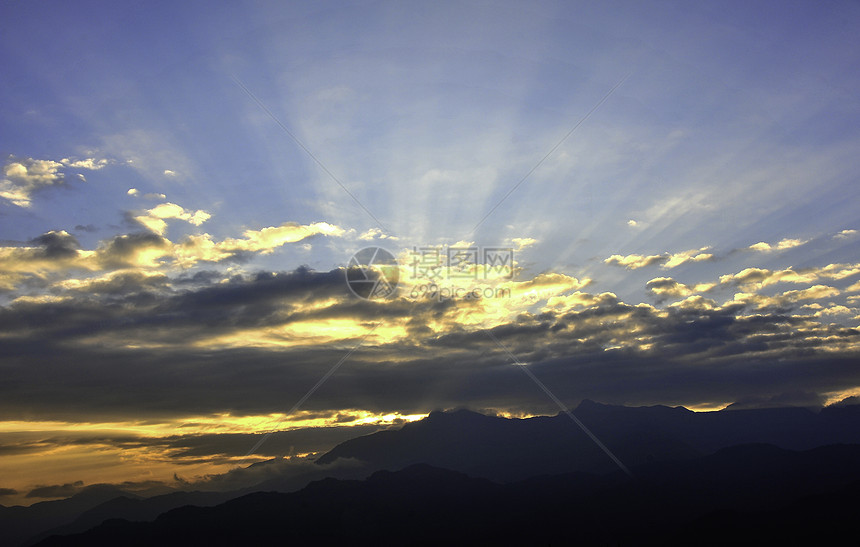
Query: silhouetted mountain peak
[(460, 415), (588, 406), (505, 449)]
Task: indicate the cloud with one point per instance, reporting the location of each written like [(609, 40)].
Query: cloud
[(202, 247), (267, 239), (579, 300), (117, 282), (696, 302), (666, 287), (787, 243), (521, 243), (49, 252), (25, 177), (845, 234), (757, 278), (56, 490), (130, 250), (251, 342), (835, 310), (8, 492), (151, 195), (92, 164), (693, 255), (153, 219), (375, 233), (782, 400), (59, 251), (814, 292), (551, 283), (787, 298), (56, 252), (634, 261), (667, 260)]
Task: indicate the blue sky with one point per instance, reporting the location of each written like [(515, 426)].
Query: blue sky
[(718, 179)]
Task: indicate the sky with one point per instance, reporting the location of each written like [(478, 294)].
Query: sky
[(672, 189)]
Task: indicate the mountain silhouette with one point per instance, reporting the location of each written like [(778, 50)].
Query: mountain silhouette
[(541, 456), (133, 509), (739, 495), (18, 523), (513, 449)]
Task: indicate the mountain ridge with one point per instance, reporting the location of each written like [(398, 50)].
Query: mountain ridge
[(425, 505), (495, 448), (508, 449)]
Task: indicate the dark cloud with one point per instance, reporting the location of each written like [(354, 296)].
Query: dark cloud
[(186, 448), (278, 474), (121, 283), (797, 398), (8, 492), (201, 277), (56, 490), (145, 354), (89, 228), (123, 250), (57, 244)]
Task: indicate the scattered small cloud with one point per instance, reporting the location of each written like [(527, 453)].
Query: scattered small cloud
[(634, 261), (787, 298), (26, 176), (784, 244), (761, 277), (845, 234), (666, 287), (91, 164), (169, 173), (521, 243), (666, 260), (834, 310), (151, 195), (374, 233), (154, 219), (693, 255)]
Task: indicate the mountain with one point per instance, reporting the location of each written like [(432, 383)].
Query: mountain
[(513, 449), (740, 495), (19, 523), (134, 509), (489, 447)]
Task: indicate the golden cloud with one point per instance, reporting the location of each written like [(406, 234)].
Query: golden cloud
[(153, 219), (669, 288), (787, 243), (666, 260), (761, 277)]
